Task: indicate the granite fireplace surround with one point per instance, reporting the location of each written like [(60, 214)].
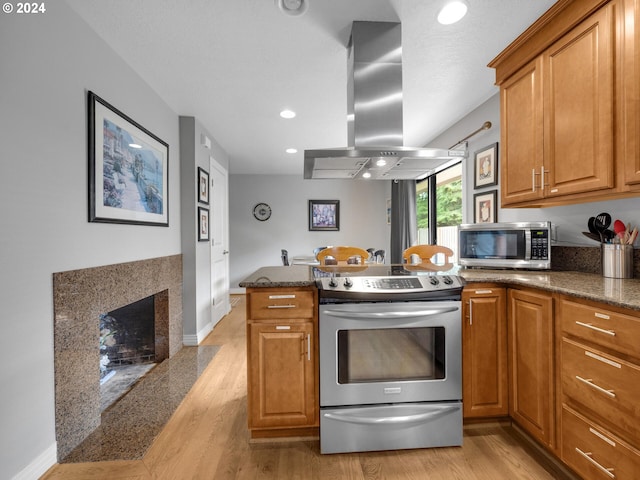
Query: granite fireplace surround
[(79, 297)]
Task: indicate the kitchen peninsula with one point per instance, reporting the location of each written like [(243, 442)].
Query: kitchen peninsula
[(624, 293), (556, 352)]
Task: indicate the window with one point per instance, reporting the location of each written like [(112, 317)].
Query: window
[(442, 194)]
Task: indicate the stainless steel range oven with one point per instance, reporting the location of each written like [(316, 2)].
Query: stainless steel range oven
[(390, 361)]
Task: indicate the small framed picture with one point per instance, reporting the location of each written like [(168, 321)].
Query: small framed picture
[(203, 224), (485, 208), (203, 186), (486, 166), (324, 215)]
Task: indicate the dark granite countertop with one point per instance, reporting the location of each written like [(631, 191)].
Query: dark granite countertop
[(293, 276), (613, 291)]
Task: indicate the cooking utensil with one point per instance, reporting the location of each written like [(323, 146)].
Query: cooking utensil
[(594, 227), (592, 236), (619, 227), (604, 219)]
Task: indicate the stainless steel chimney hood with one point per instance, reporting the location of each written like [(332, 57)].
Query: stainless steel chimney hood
[(374, 123)]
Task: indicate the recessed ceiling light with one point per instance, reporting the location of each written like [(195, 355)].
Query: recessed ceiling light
[(452, 12), (287, 114), (291, 150)]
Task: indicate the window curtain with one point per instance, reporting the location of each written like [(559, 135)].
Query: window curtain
[(403, 218)]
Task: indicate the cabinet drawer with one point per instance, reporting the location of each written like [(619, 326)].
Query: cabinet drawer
[(608, 386), (607, 328), (595, 453), (285, 304)]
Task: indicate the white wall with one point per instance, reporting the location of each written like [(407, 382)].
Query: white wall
[(254, 244), (196, 276), (48, 62), (571, 220)]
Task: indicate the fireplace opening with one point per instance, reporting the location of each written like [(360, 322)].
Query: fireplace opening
[(127, 348)]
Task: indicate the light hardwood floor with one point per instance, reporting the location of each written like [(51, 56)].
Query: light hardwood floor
[(207, 438)]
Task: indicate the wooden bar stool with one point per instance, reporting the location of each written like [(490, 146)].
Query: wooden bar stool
[(340, 254)]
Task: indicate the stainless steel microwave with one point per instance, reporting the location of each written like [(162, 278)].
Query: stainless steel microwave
[(525, 245)]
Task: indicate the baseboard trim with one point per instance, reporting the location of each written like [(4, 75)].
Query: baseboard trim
[(194, 340), (555, 461), (40, 464)]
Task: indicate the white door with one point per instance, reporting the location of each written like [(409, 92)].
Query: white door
[(219, 240)]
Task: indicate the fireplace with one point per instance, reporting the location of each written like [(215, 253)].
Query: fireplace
[(127, 348), (81, 297)]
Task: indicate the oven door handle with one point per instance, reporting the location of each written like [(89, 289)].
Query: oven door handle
[(390, 315), (431, 412)]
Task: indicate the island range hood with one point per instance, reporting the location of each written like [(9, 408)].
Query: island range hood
[(374, 123)]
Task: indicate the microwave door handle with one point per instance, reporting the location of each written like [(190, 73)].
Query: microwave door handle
[(430, 413), (527, 244), (390, 315)]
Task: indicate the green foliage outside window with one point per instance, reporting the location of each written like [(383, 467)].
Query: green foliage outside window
[(448, 203)]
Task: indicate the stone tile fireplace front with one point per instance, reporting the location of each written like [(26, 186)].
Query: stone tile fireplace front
[(80, 297)]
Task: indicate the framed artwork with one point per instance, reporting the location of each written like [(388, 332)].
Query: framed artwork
[(485, 208), (203, 224), (324, 215), (486, 166), (128, 169), (203, 186)]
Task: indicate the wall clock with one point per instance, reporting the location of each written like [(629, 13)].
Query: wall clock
[(262, 212)]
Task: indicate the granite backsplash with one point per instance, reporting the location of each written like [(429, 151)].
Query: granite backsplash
[(584, 259)]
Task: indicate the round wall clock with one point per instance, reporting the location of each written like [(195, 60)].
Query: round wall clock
[(262, 212)]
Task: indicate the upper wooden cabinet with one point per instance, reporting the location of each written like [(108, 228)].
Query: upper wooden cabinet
[(629, 117), (560, 104)]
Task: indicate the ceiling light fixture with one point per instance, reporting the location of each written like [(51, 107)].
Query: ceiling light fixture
[(293, 7), (287, 114), (452, 12), (291, 150)]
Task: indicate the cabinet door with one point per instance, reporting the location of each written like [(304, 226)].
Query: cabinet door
[(531, 360), (578, 108), (281, 370), (484, 353), (630, 120), (521, 135)]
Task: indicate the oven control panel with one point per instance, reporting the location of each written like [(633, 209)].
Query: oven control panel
[(391, 284)]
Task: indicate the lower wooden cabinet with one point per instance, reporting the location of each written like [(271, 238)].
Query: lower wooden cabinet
[(485, 391), (282, 375), (282, 366), (595, 453), (531, 354)]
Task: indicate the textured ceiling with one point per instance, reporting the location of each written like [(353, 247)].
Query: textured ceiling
[(235, 64)]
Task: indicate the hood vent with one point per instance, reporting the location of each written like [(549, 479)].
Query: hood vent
[(374, 124)]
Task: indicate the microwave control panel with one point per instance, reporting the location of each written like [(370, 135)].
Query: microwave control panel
[(540, 244)]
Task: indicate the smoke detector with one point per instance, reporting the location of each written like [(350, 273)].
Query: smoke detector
[(293, 7)]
